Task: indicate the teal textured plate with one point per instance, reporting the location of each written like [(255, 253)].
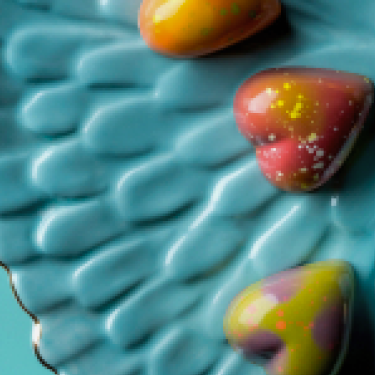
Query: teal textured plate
[(132, 211)]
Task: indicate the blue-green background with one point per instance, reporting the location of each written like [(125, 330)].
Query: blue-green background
[(131, 209), (16, 353)]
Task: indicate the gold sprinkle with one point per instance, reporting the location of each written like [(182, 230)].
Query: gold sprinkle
[(273, 105), (287, 86), (312, 137), (304, 186), (367, 80), (295, 115), (268, 90)]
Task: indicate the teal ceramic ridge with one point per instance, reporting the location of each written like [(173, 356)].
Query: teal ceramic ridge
[(132, 210)]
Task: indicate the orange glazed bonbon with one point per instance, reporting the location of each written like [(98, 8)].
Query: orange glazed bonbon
[(189, 28)]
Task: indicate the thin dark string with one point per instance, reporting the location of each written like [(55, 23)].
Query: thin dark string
[(32, 316)]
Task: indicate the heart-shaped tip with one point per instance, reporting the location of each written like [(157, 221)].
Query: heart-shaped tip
[(189, 28), (302, 121), (296, 322)]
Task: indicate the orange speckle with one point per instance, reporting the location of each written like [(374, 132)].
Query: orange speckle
[(281, 325), (280, 313)]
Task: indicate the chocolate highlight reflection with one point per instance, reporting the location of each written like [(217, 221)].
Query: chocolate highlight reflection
[(296, 322)]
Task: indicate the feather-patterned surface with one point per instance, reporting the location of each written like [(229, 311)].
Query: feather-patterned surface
[(132, 211)]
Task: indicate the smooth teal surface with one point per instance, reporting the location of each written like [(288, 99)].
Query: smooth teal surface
[(16, 353), (131, 209)]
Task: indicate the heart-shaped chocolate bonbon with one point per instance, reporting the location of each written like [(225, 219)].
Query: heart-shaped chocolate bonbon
[(296, 322), (302, 121), (188, 28)]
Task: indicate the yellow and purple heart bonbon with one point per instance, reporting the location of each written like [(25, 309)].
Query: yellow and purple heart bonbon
[(188, 28), (296, 322)]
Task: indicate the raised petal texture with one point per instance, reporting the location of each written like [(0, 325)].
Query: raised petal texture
[(147, 179)]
